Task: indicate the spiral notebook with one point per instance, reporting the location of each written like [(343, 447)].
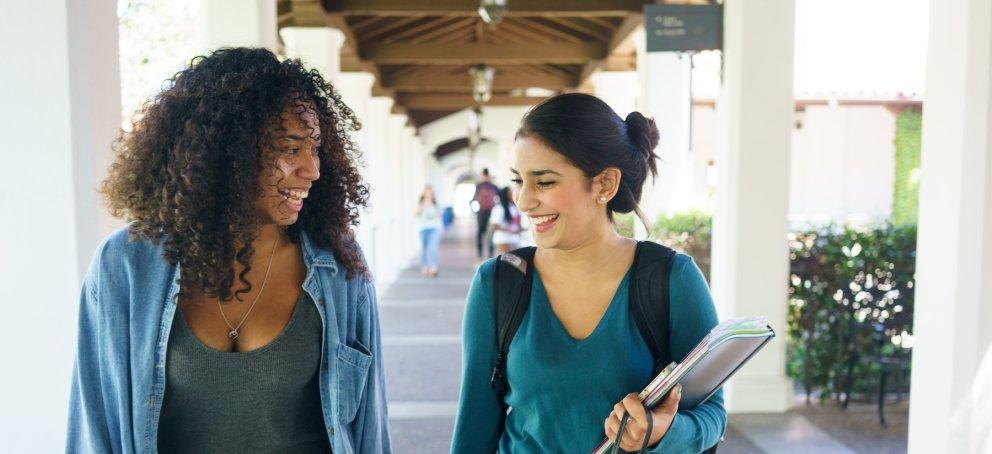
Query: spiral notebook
[(718, 356)]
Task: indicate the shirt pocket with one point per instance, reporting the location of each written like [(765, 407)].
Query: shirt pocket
[(353, 371)]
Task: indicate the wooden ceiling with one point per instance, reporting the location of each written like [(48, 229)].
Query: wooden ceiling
[(420, 51)]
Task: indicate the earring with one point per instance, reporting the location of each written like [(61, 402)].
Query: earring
[(602, 200)]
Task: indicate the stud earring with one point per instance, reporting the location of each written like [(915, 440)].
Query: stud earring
[(602, 200)]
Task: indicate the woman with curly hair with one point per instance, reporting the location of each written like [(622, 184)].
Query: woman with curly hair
[(234, 313)]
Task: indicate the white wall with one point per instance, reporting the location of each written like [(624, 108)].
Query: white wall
[(59, 111), (226, 23), (842, 163)]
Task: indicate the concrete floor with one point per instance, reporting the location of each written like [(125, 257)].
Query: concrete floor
[(421, 327)]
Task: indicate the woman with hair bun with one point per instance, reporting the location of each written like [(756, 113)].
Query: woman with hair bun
[(577, 359)]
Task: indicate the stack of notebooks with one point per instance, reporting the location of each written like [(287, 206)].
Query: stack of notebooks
[(721, 353)]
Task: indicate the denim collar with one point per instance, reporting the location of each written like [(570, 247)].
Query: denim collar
[(316, 256), (313, 256)]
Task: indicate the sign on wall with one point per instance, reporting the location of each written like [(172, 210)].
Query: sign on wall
[(682, 28)]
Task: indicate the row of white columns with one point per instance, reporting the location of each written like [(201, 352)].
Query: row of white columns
[(951, 400), (387, 144), (389, 147)]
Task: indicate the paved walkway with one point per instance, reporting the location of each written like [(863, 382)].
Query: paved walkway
[(421, 329)]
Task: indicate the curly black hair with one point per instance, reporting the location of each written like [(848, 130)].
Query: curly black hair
[(188, 172)]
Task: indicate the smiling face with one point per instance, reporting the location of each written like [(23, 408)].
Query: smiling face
[(560, 200), (293, 165)]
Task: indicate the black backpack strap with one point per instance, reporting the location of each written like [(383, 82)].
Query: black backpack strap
[(511, 297), (649, 299), (650, 302)]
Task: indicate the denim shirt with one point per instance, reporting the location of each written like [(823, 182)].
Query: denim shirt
[(127, 303)]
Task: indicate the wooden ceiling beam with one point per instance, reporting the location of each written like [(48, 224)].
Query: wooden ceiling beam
[(601, 22), (437, 32), (461, 35), (438, 81), (622, 33), (542, 8), (305, 13), (349, 54), (472, 53), (422, 117), (431, 22), (397, 23), (576, 24), (510, 28), (362, 23), (535, 24), (435, 101)]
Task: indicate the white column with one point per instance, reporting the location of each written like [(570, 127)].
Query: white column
[(413, 186), (233, 23), (665, 80), (407, 197), (59, 113), (356, 92), (317, 47), (750, 251), (618, 89), (383, 189), (951, 396), (320, 48), (412, 147)]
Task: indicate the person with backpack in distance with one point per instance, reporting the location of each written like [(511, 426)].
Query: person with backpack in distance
[(559, 338), (505, 222), (485, 198)]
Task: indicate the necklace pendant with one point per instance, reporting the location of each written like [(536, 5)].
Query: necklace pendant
[(233, 334)]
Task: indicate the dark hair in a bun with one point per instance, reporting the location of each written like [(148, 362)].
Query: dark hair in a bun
[(592, 137), (644, 134)]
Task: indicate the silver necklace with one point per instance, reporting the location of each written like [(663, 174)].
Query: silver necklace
[(233, 334)]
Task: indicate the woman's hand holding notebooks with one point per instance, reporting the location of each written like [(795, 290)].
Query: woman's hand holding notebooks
[(721, 353), (641, 427)]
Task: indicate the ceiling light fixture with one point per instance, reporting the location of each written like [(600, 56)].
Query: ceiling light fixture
[(492, 11), (482, 82)]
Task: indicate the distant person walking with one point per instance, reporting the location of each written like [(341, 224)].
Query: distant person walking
[(485, 198), (505, 222), (429, 221)]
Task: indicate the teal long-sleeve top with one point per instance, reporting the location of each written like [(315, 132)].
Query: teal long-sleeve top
[(562, 389)]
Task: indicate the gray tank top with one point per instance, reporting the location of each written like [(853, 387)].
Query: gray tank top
[(265, 400)]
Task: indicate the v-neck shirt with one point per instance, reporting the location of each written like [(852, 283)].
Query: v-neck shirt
[(561, 389), (263, 400)]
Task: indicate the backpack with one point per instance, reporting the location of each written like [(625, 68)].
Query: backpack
[(487, 195), (648, 300)]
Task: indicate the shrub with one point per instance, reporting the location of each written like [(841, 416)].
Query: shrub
[(850, 308), (906, 190), (689, 233)]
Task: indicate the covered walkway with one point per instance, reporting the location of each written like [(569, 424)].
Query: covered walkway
[(421, 328)]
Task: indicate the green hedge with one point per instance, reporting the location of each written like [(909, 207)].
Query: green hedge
[(850, 300), (850, 308), (689, 233), (906, 191)]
